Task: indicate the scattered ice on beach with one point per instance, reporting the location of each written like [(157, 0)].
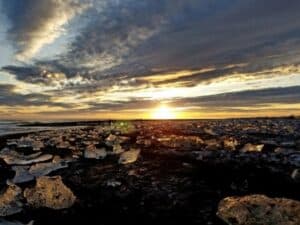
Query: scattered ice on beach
[(179, 141)]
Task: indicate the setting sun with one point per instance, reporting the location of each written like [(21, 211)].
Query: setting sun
[(163, 112)]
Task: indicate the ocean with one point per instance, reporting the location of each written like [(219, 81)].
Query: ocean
[(13, 127)]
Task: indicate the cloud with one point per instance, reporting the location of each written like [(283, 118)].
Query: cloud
[(250, 98), (10, 98), (37, 23), (134, 39), (135, 45)]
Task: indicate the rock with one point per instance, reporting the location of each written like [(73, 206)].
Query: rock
[(50, 192), (10, 200), (129, 156), (43, 169), (259, 209), (296, 175), (252, 148), (22, 174), (91, 152)]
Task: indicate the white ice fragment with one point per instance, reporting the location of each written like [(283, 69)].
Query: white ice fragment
[(129, 156), (252, 148)]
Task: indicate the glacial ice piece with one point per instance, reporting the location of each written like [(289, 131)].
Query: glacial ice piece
[(230, 144), (177, 141), (129, 156), (252, 148), (114, 139), (6, 222), (10, 160), (259, 209), (50, 192), (22, 174), (91, 152), (117, 149), (43, 169), (113, 183), (10, 200), (296, 175), (12, 157), (209, 131), (212, 144)]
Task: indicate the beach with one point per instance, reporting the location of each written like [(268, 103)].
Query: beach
[(147, 172)]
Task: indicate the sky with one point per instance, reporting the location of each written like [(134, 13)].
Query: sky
[(124, 59)]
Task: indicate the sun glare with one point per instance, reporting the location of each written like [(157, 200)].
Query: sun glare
[(163, 112)]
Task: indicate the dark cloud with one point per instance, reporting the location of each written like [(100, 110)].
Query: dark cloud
[(136, 38), (37, 23), (8, 97), (251, 98)]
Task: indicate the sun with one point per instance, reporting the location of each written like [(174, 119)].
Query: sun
[(163, 112)]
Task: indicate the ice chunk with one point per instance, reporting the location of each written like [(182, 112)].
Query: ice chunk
[(91, 152), (129, 156), (50, 192), (5, 222), (10, 200), (42, 169), (252, 148), (25, 160), (22, 174), (259, 209), (230, 144)]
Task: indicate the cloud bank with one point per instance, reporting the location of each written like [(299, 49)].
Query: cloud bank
[(130, 46)]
